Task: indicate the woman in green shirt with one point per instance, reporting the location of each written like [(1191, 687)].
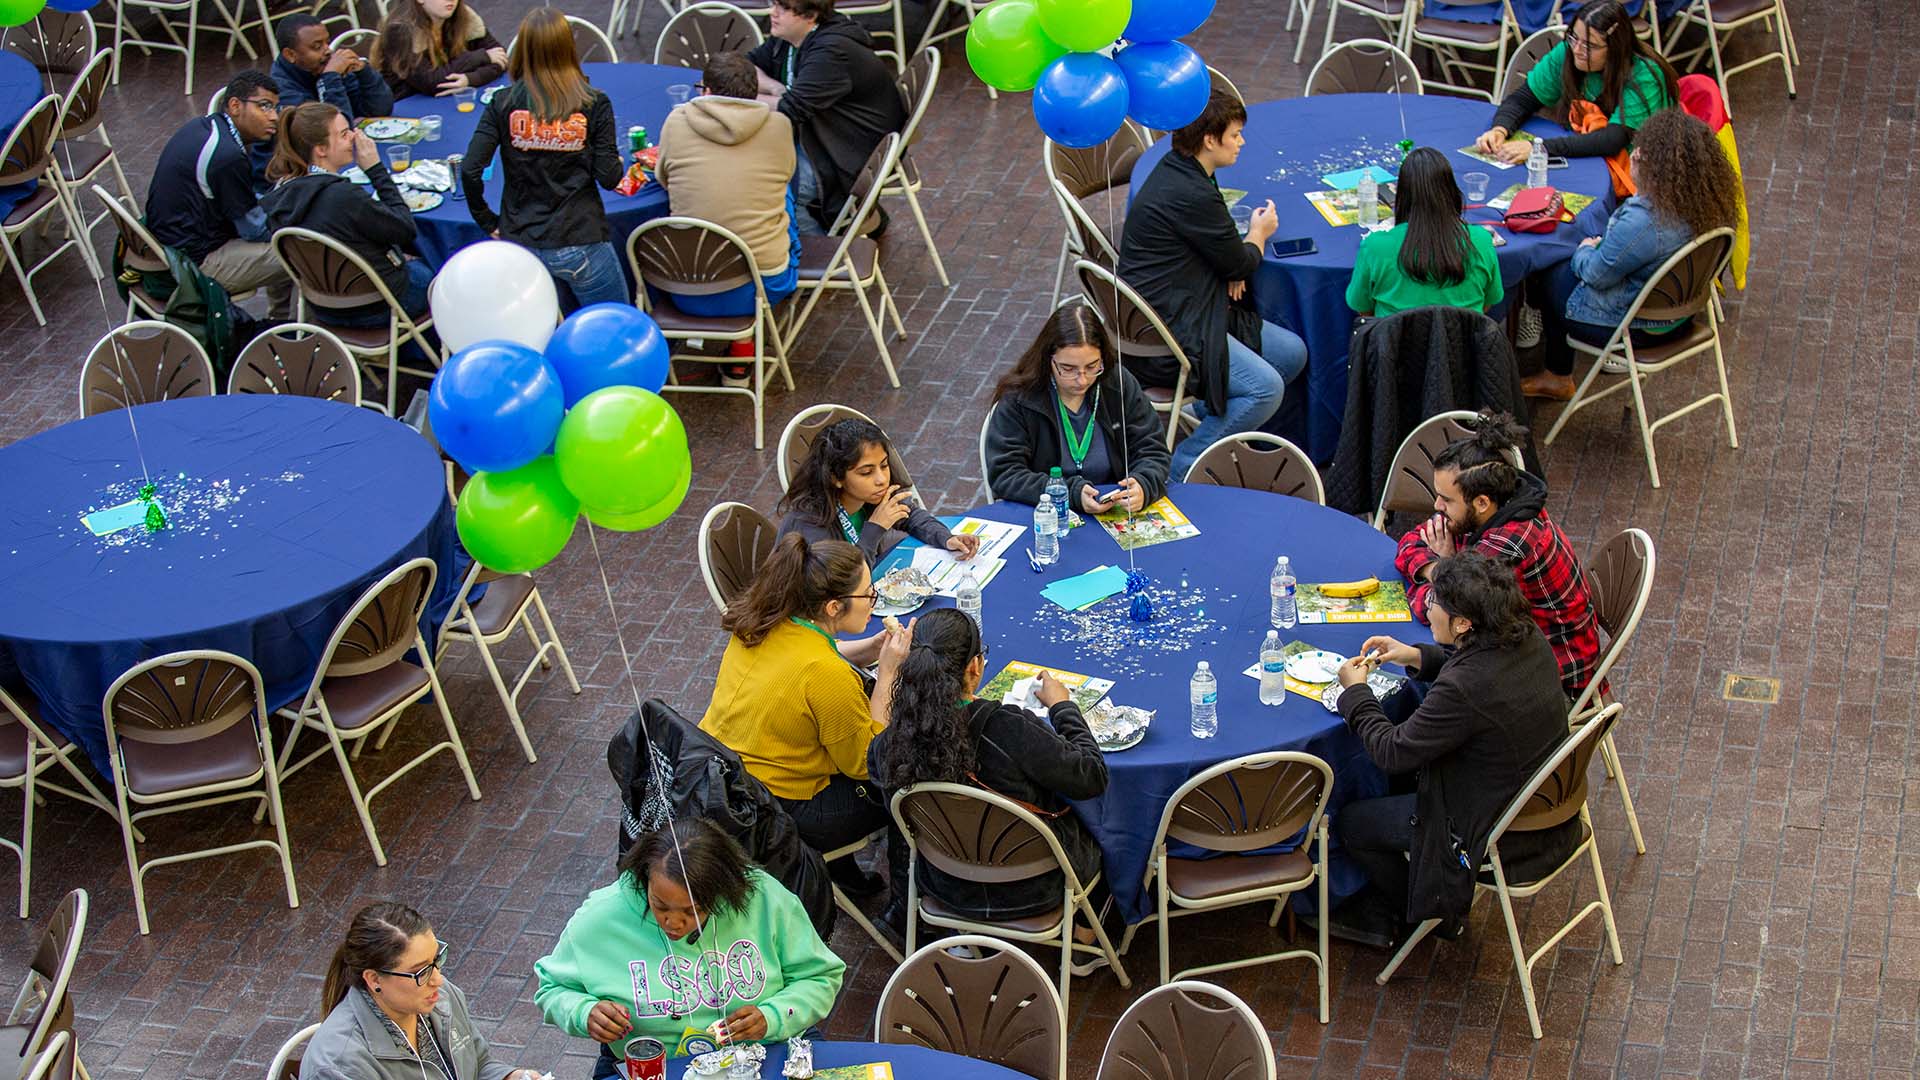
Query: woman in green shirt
[(1430, 256)]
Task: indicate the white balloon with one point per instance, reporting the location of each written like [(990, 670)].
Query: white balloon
[(494, 291)]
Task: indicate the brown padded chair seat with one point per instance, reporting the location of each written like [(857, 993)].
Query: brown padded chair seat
[(13, 751), (354, 701), (1045, 922), (77, 157), (358, 337), (1384, 7), (816, 250), (32, 204), (159, 768), (1475, 33), (1159, 395), (503, 600), (674, 321), (1726, 11), (1204, 879), (1693, 334)]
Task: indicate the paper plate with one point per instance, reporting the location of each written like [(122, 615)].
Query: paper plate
[(388, 128), (1315, 666), (422, 201)]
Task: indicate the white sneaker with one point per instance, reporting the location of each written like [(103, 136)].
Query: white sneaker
[(736, 375), (1613, 364), (1529, 327)]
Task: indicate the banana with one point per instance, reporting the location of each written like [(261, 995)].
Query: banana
[(1362, 587)]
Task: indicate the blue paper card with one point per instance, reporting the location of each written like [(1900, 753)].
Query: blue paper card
[(114, 518), (1347, 181), (1089, 588)]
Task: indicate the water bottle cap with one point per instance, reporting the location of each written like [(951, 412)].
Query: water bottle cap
[(1203, 666), (1045, 500), (1055, 471)]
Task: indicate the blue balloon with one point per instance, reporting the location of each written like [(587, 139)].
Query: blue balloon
[(71, 5), (495, 406), (1167, 83), (1164, 20), (1081, 100), (608, 344)]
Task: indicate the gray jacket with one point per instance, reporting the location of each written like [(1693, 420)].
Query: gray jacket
[(875, 540), (353, 1044)]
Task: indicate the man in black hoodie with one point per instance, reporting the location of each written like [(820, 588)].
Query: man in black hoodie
[(819, 69)]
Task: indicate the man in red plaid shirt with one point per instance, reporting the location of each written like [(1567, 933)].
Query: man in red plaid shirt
[(1486, 504)]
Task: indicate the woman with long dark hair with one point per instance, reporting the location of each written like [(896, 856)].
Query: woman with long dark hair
[(843, 489), (1068, 404), (1687, 187), (1429, 256), (436, 47), (557, 140), (941, 732), (389, 1011)]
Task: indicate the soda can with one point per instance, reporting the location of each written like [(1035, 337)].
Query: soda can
[(646, 1059), (453, 170), (636, 139)]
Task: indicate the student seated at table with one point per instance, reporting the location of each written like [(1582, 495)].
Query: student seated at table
[(310, 69), (1687, 187), (315, 144), (819, 69), (689, 934), (556, 139), (1495, 714), (389, 1009), (436, 47), (1182, 253), (790, 703), (201, 200), (1601, 82), (1067, 402), (1429, 256), (844, 490), (940, 732)]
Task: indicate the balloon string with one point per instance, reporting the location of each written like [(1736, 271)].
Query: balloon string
[(1106, 169)]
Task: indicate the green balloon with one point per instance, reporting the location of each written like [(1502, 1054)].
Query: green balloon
[(1084, 25), (1006, 46), (19, 12), (621, 449), (651, 516), (518, 520)]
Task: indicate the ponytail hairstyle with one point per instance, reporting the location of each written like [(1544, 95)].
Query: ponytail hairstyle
[(798, 580), (1479, 462), (376, 939), (929, 740), (1428, 201), (835, 450), (302, 128), (1486, 593)]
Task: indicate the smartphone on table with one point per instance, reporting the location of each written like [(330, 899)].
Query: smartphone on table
[(1287, 249)]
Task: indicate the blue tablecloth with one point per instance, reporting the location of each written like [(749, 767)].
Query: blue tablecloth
[(1291, 144), (1229, 563), (283, 510), (639, 95), (909, 1062), (20, 86)]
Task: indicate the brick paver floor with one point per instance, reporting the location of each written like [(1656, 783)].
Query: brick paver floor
[(1769, 929)]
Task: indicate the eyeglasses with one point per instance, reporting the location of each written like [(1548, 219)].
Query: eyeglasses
[(420, 977), (265, 106), (872, 596), (1585, 45), (1088, 373), (699, 88)]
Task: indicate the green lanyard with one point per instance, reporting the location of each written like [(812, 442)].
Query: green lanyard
[(1078, 443), (850, 525), (815, 627)]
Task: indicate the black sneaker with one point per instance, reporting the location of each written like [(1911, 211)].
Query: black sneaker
[(736, 375)]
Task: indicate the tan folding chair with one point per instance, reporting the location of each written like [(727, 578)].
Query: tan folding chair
[(139, 252), (693, 257), (589, 42), (1392, 20), (1259, 462), (1410, 478), (979, 835), (286, 1060), (1233, 810), (188, 730), (39, 1024), (986, 489), (508, 604), (1620, 579), (364, 682), (1556, 793), (29, 748), (845, 903), (1529, 52), (976, 997), (1364, 66), (1719, 19), (917, 83), (1074, 174), (848, 260), (934, 34), (141, 363), (28, 155), (1188, 1030), (360, 40), (1453, 40), (77, 160), (1681, 288), (333, 277), (59, 1054), (299, 359), (1138, 334), (57, 42), (699, 32), (265, 20), (806, 426), (734, 540), (184, 41)]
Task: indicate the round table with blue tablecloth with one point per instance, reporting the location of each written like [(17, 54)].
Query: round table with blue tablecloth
[(1292, 144), (281, 512), (21, 85), (909, 1061), (639, 96)]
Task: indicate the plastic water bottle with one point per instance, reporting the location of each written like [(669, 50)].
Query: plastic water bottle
[(1537, 164), (1369, 201), (1273, 671), (967, 598), (1046, 533), (1204, 692), (1057, 491), (1285, 610)]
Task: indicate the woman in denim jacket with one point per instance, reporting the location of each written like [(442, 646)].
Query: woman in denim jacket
[(1686, 187)]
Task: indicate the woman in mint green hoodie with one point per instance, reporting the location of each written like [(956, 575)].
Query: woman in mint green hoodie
[(691, 933)]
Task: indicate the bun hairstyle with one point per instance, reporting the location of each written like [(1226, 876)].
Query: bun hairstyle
[(376, 939), (834, 451), (929, 740), (303, 128), (1480, 463), (1484, 592), (798, 580), (705, 861)]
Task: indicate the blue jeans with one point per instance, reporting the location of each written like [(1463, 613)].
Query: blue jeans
[(806, 192), (1556, 326), (1255, 383), (413, 300), (591, 271)]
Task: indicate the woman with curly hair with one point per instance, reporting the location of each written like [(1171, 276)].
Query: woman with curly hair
[(939, 731), (1686, 187), (436, 47)]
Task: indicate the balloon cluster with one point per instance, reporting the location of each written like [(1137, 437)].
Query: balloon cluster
[(1080, 94), (551, 422)]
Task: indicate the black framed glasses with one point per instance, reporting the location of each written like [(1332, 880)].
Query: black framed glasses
[(699, 88), (871, 596), (1588, 46), (420, 977), (1088, 373)]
